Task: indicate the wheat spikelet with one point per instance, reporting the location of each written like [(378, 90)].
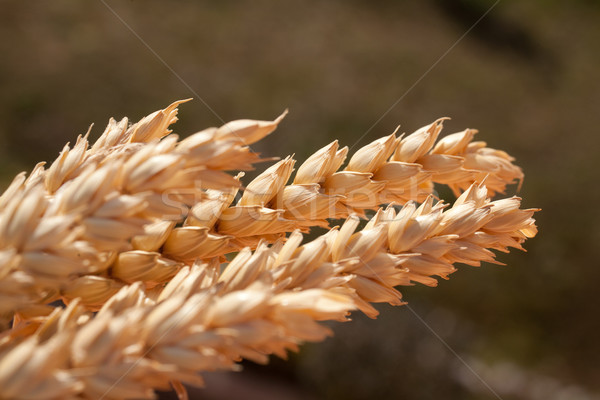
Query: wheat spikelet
[(99, 229)]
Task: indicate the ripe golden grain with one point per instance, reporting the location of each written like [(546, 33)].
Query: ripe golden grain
[(135, 227)]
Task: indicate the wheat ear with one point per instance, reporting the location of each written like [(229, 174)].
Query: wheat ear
[(262, 303), (387, 170), (92, 229), (268, 208), (116, 244)]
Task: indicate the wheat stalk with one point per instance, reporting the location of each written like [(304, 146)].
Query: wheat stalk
[(92, 230)]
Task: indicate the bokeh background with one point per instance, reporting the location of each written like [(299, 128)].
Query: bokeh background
[(526, 76)]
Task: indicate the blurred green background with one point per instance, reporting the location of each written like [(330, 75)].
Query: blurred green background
[(526, 76)]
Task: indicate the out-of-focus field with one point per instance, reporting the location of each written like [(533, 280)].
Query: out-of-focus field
[(526, 76)]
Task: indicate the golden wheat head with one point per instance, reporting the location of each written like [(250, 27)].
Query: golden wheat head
[(131, 233)]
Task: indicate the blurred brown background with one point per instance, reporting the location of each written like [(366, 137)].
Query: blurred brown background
[(526, 76)]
